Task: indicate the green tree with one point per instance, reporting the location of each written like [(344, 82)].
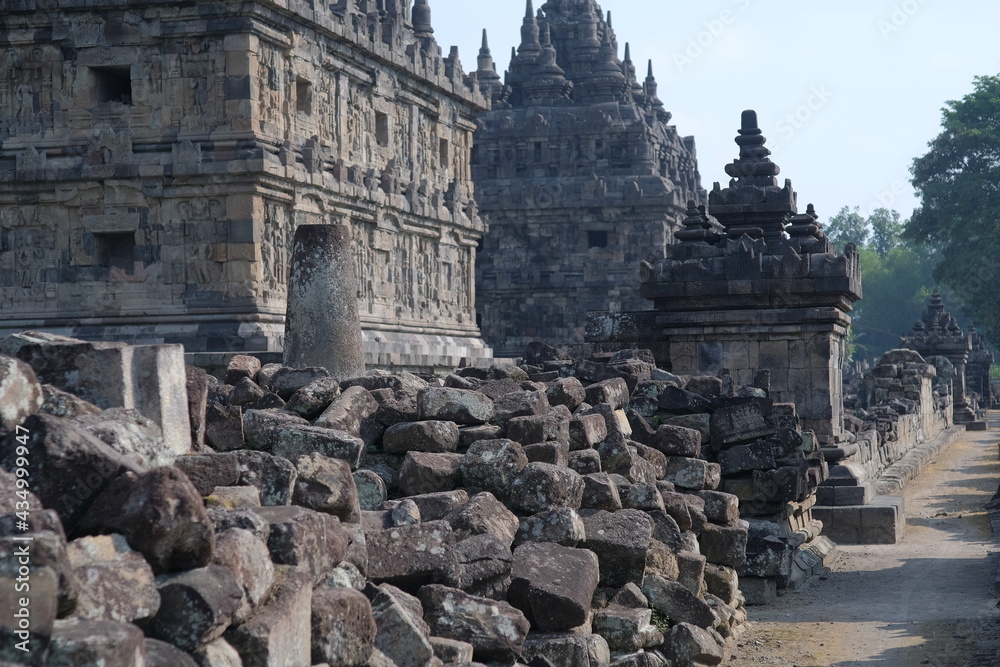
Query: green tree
[(886, 230), (958, 181), (848, 226)]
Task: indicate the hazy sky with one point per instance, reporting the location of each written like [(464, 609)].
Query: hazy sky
[(847, 92)]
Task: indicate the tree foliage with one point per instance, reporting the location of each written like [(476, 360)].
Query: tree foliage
[(896, 277), (958, 181)]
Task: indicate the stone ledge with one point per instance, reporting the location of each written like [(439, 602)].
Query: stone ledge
[(896, 476)]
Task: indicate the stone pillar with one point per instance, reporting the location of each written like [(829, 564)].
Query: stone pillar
[(322, 327)]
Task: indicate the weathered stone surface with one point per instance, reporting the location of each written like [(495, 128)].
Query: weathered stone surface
[(519, 404), (676, 505), (623, 459), (218, 653), (484, 514), (261, 426), (678, 603), (677, 441), (20, 392), (402, 634), (310, 540), (83, 642), (721, 507), (680, 402), (224, 427), (691, 571), (566, 391), (626, 629), (585, 461), (247, 557), (241, 366), (68, 467), (754, 456), (343, 627), (207, 471), (234, 497), (553, 585), (410, 556), (495, 629), (531, 429), (722, 582), (120, 584), (560, 526), (149, 378), (59, 403), (461, 406), (724, 545), (372, 490), (130, 434), (543, 486), (223, 519), (600, 493), (353, 412), (620, 540), (434, 506), (196, 607), (279, 632), (661, 560), (294, 440), (568, 649), (273, 476), (326, 485), (451, 650), (311, 400), (484, 565), (555, 453), (586, 431), (614, 392), (695, 474), (162, 654), (246, 393), (492, 465), (425, 436), (289, 379), (424, 473), (690, 645)]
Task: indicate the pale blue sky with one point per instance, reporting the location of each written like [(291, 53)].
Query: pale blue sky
[(866, 78)]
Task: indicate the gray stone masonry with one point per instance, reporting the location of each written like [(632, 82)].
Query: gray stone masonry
[(157, 157), (755, 286), (579, 174)]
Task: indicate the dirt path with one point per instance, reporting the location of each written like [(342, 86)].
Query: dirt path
[(926, 601)]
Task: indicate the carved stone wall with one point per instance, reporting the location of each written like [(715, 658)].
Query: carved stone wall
[(156, 159), (580, 176)]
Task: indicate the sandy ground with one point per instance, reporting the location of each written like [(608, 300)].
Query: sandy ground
[(926, 601)]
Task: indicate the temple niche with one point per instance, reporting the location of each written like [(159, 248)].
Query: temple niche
[(157, 159), (579, 174)]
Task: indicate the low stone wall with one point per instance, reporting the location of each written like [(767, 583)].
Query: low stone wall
[(901, 414)]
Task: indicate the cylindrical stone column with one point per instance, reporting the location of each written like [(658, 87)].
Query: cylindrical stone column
[(322, 325)]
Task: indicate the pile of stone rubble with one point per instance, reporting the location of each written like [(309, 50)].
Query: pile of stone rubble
[(562, 512)]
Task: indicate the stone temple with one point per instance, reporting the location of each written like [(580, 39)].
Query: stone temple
[(157, 157), (579, 175)]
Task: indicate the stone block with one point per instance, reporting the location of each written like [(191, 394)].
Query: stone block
[(543, 486), (566, 649), (759, 590), (882, 521), (410, 556), (553, 585), (484, 514), (620, 540), (694, 474), (279, 633), (492, 465), (343, 626), (433, 436), (586, 431), (585, 461), (461, 406), (495, 629), (427, 473)]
